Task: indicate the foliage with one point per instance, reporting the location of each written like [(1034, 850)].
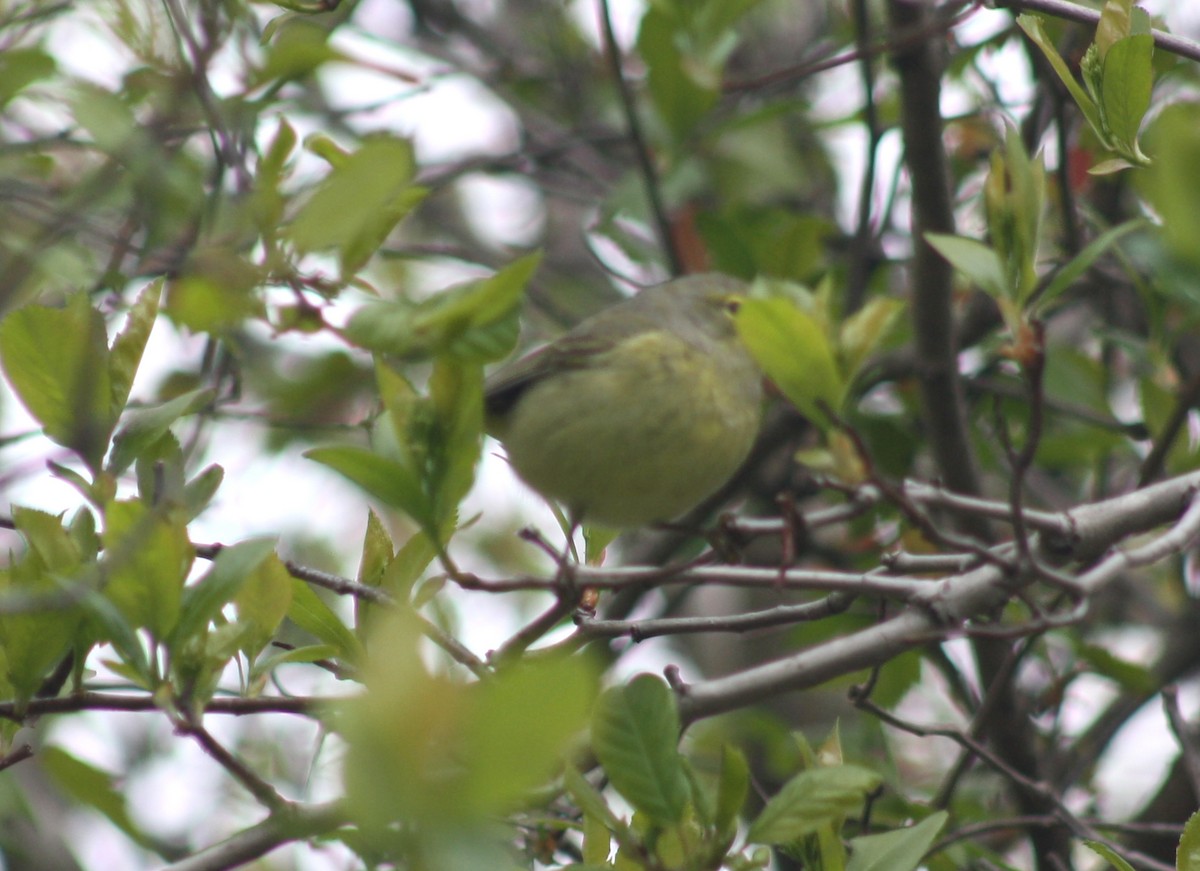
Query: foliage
[(235, 237)]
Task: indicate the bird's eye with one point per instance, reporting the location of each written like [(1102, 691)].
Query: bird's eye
[(732, 304)]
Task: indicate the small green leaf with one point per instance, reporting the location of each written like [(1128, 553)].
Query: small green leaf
[(977, 261), (1187, 856), (793, 351), (863, 331), (811, 799), (310, 613), (635, 733), (899, 850), (130, 343), (732, 788), (200, 490), (1106, 852)]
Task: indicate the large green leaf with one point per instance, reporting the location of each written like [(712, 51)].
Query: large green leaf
[(899, 850), (635, 733), (359, 203), (147, 559), (811, 799), (57, 361), (794, 352)]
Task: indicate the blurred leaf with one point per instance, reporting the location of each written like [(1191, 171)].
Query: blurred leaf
[(793, 351), (297, 49), (899, 850), (216, 292), (392, 483), (1171, 182), (199, 491), (1082, 262), (811, 799), (1107, 852), (20, 68), (474, 322), (1130, 675), (519, 724), (359, 202), (864, 331), (635, 733), (57, 362), (682, 88), (145, 426), (94, 788)]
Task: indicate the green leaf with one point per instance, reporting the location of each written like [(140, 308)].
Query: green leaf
[(732, 789), (474, 322), (1106, 852), (811, 799), (145, 426), (977, 261), (20, 68), (310, 613), (682, 88), (57, 362), (1032, 25), (130, 343), (899, 850), (1171, 182), (1125, 96), (1187, 856), (200, 490), (147, 559), (456, 391), (359, 202), (635, 733), (1082, 262), (519, 724), (793, 351), (263, 601), (298, 48), (864, 331), (203, 600), (94, 788), (1114, 25), (392, 483)]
